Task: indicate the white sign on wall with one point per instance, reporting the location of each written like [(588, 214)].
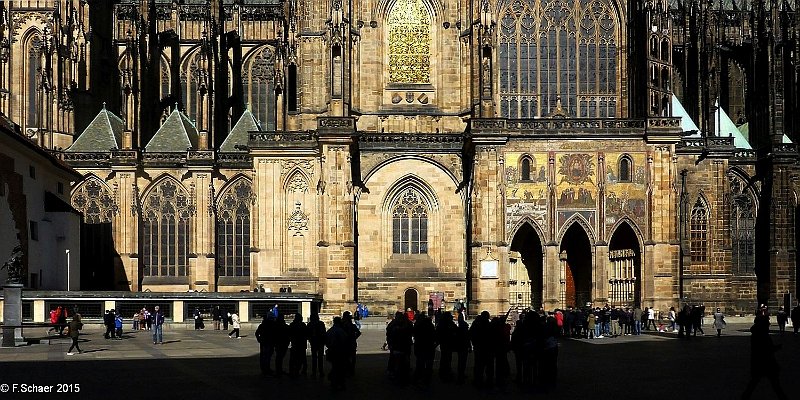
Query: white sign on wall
[(489, 268)]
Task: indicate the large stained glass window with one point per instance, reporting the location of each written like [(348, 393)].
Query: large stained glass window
[(558, 57), (410, 224), (259, 88), (698, 232), (34, 70), (166, 214), (743, 228), (233, 230), (409, 25)]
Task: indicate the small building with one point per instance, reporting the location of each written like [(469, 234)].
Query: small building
[(35, 213)]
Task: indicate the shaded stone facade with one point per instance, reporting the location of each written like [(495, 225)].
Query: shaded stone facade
[(507, 152)]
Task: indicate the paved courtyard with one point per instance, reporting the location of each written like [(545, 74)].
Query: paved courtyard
[(208, 365)]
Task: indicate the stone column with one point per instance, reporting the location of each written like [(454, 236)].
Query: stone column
[(12, 315)]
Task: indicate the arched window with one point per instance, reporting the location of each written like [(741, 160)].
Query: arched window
[(698, 232), (33, 71), (259, 87), (166, 214), (233, 230), (410, 224), (551, 50), (625, 168), (409, 24), (665, 50), (94, 201), (165, 78), (743, 228), (525, 169)]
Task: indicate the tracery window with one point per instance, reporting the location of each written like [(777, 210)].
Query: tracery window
[(233, 230), (166, 213), (625, 169), (259, 88), (410, 224), (743, 228), (33, 72), (558, 57), (409, 25), (94, 201), (698, 232), (165, 78)]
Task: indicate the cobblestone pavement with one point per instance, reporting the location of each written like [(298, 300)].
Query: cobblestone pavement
[(207, 364)]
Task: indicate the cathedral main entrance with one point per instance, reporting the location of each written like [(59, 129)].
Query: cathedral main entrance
[(576, 267), (525, 277)]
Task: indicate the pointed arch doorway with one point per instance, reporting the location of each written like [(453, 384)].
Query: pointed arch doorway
[(411, 299), (625, 267), (576, 267), (525, 277)]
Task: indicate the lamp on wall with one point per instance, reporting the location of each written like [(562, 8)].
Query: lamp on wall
[(68, 271)]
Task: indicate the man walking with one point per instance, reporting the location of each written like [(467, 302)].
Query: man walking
[(74, 331)]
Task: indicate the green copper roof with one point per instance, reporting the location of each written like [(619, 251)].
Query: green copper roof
[(726, 128), (240, 134), (686, 121), (176, 135), (104, 133)]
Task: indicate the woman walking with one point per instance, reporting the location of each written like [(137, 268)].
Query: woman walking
[(719, 322), (74, 328), (236, 326)]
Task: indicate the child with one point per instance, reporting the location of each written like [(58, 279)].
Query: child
[(118, 325)]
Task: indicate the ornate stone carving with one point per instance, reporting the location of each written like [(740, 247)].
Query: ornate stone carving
[(298, 221), (288, 165), (298, 184)]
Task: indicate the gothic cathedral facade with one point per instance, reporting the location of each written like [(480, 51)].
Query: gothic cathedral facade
[(505, 152)]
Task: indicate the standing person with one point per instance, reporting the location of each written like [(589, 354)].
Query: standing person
[(796, 318), (118, 325), (298, 336), (637, 322), (430, 308), (424, 348), (54, 313), (399, 338), (150, 316), (591, 325), (446, 337), (316, 337), (651, 319), (697, 320), (762, 359), (108, 321), (462, 347), (236, 326), (143, 315), (479, 334), (215, 316), (275, 311), (548, 360), (501, 342), (266, 343), (337, 343), (135, 326), (281, 343), (719, 322), (74, 328), (353, 333), (783, 318), (226, 320), (62, 320), (156, 320)]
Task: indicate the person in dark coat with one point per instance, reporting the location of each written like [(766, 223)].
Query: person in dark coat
[(298, 336), (518, 347), (399, 338), (198, 320), (446, 337), (782, 318), (462, 347), (424, 348), (548, 359), (281, 343), (215, 317), (762, 359), (530, 343), (266, 343), (74, 332), (316, 337), (352, 336), (501, 343), (796, 318), (480, 335), (338, 343), (108, 321)]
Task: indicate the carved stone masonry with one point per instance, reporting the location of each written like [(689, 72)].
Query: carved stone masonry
[(298, 221)]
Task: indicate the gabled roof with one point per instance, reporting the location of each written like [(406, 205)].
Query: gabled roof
[(686, 121), (239, 137), (726, 128), (104, 133), (176, 135)]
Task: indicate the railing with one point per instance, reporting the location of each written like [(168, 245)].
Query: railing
[(565, 125), (282, 139)]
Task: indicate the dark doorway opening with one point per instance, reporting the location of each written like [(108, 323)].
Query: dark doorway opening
[(576, 255), (411, 299), (625, 262), (527, 242)]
